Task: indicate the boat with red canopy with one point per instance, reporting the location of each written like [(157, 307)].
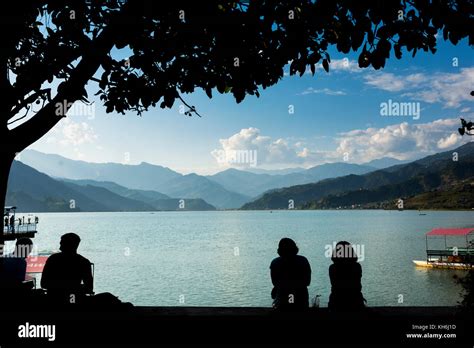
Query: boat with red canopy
[(457, 255)]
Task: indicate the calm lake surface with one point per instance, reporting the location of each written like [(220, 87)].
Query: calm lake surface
[(222, 258)]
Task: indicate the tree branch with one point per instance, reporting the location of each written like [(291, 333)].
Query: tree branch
[(46, 93), (20, 118), (192, 108), (68, 92)]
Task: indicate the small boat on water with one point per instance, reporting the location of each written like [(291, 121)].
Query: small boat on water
[(459, 256)]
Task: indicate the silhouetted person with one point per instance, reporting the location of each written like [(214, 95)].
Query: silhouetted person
[(291, 276), (67, 273), (345, 274), (12, 223), (5, 222)]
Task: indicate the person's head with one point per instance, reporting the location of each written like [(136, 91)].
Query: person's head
[(344, 252), (287, 247), (69, 243), (23, 247)]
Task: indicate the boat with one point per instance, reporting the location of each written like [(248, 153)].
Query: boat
[(459, 256), (15, 227)]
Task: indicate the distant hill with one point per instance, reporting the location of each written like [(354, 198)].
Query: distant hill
[(274, 171), (112, 201), (384, 162), (247, 183), (157, 200), (457, 196), (142, 176), (33, 191), (141, 195), (441, 188), (197, 186), (376, 183), (252, 184)]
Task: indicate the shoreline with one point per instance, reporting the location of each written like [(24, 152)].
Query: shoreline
[(242, 210)]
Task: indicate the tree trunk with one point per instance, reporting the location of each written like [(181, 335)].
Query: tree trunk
[(6, 161)]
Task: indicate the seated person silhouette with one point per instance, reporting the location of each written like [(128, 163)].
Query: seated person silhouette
[(345, 274), (291, 276), (67, 273), (13, 266)]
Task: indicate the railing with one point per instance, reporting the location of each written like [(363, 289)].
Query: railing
[(20, 228), (450, 252)]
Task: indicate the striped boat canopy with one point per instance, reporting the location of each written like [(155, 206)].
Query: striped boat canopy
[(450, 231)]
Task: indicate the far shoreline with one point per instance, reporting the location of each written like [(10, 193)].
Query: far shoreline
[(246, 210)]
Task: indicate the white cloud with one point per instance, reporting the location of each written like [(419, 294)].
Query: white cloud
[(403, 141), (343, 64), (386, 81), (327, 91), (248, 142), (68, 132), (449, 141), (450, 89)]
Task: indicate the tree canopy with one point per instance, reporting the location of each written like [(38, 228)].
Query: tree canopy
[(174, 47)]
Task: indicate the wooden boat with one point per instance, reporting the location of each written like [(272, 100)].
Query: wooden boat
[(460, 256), (434, 264)]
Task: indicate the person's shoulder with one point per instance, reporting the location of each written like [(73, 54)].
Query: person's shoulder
[(53, 257), (302, 259), (83, 259), (275, 261)]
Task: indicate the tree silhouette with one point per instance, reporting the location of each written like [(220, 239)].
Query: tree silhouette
[(467, 127), (51, 50)]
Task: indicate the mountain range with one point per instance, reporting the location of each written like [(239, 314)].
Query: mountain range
[(229, 189), (143, 176), (33, 191), (437, 173), (57, 181), (252, 184)]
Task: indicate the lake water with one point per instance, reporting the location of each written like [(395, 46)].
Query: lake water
[(222, 258)]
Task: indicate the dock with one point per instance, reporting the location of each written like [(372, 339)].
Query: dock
[(27, 230)]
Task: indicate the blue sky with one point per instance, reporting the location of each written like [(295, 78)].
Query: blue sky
[(336, 117)]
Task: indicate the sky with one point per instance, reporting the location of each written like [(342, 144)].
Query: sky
[(407, 110)]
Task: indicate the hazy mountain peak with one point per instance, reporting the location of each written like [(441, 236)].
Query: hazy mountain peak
[(385, 162)]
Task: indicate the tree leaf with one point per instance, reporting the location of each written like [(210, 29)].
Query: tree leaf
[(326, 65)]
